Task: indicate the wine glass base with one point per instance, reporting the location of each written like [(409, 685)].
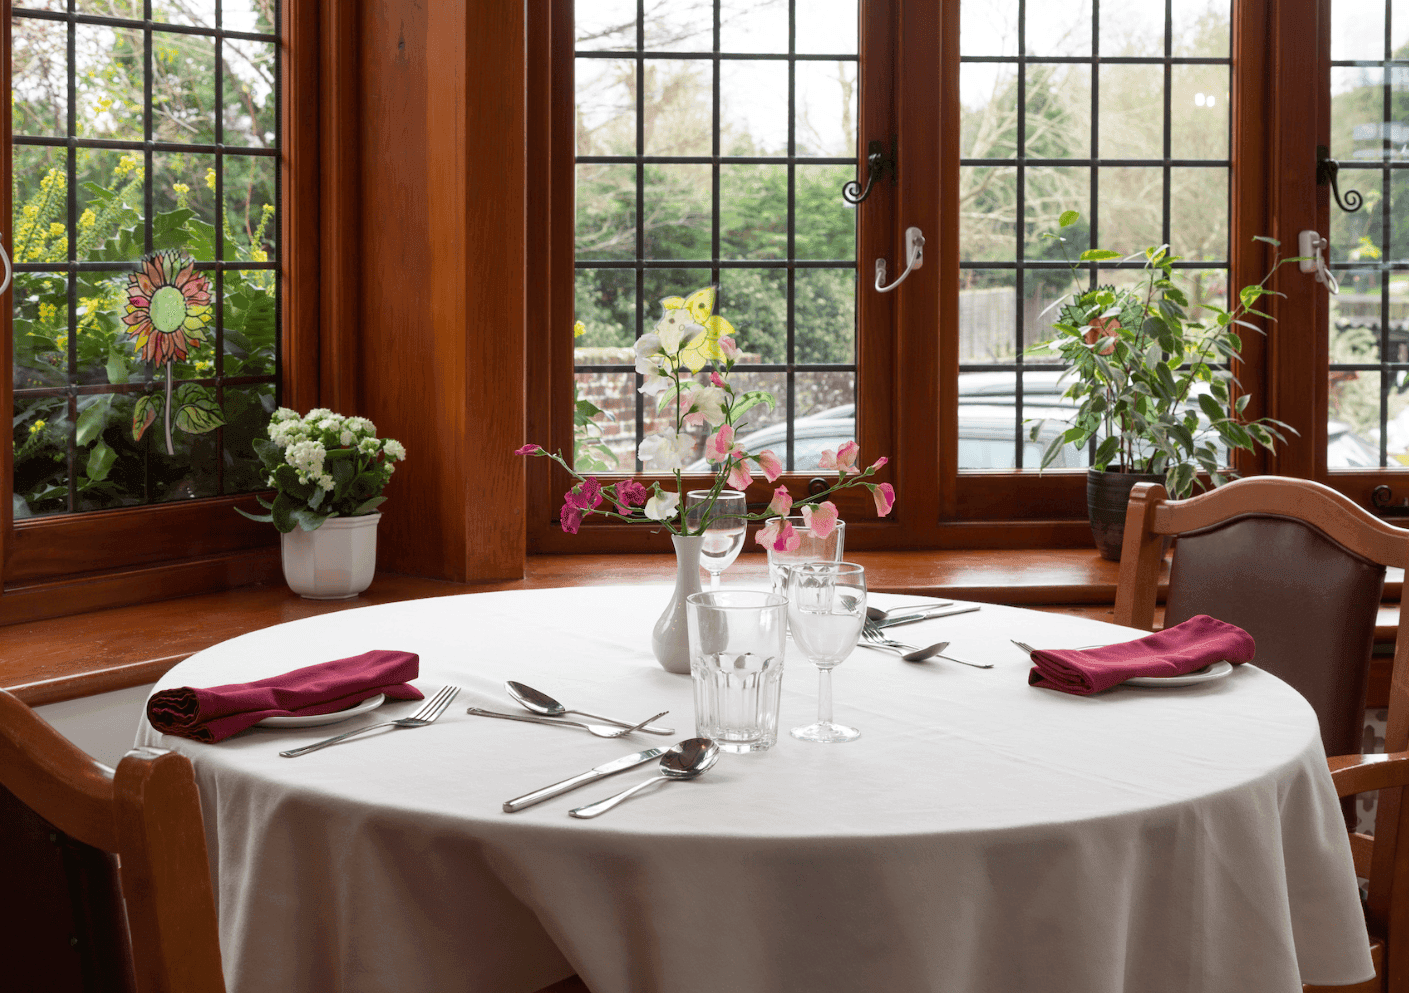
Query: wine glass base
[(825, 733)]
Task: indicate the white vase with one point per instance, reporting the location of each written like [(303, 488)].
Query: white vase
[(670, 639), (336, 561)]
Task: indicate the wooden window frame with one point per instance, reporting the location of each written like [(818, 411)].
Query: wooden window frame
[(914, 333), (74, 563)]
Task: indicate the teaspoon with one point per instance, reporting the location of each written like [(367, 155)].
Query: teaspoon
[(684, 761), (877, 614), (541, 703)]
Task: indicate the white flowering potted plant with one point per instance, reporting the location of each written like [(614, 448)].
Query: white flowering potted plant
[(328, 473), (685, 363)]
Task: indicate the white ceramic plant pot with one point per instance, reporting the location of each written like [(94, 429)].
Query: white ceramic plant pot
[(670, 638), (335, 562)]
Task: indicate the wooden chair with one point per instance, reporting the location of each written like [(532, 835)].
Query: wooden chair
[(1301, 568), (109, 868)]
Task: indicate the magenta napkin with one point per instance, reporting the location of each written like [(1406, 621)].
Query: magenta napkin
[(216, 713), (1175, 651)]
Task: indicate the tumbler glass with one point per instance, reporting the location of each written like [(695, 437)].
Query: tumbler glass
[(811, 549), (737, 638)]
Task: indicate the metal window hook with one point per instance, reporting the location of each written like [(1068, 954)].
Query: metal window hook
[(879, 165), (914, 259), (5, 257), (1309, 245), (1327, 169)]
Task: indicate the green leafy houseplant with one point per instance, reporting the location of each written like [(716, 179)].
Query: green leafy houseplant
[(1153, 385), (323, 465)]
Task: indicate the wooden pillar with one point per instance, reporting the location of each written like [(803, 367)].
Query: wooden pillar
[(442, 271)]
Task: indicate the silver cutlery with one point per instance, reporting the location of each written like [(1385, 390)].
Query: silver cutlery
[(590, 776), (874, 639), (599, 730), (427, 714), (927, 615), (872, 634), (542, 704), (878, 615), (684, 761), (1029, 649)]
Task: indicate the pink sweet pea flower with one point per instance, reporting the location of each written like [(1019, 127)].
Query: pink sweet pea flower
[(694, 420), (769, 532), (770, 464), (781, 503), (629, 493), (528, 450), (788, 539), (721, 445), (571, 518), (739, 477), (728, 348), (884, 495), (876, 465), (827, 460), (846, 457), (585, 495), (717, 380), (822, 519)]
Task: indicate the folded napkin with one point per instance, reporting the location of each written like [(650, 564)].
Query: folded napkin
[(1175, 651), (216, 713)]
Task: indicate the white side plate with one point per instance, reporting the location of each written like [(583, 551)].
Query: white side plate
[(318, 720), (1216, 670)]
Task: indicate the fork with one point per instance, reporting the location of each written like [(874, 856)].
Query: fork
[(1029, 649), (428, 713), (597, 729), (872, 633)]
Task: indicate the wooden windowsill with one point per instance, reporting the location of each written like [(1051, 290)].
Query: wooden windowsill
[(67, 657)]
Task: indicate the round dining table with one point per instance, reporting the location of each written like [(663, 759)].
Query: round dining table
[(982, 834)]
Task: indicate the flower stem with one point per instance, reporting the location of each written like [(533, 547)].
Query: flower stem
[(166, 411)]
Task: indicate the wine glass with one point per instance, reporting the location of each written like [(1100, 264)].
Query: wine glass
[(826, 609), (724, 535), (810, 549)]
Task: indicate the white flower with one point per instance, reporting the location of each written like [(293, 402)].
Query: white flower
[(284, 414), (710, 402), (318, 412), (362, 426), (324, 481), (648, 357), (346, 438), (306, 457), (654, 384), (394, 449), (661, 507), (369, 446), (666, 450), (673, 329)]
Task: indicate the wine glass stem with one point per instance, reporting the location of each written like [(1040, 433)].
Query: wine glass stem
[(714, 580), (824, 696)]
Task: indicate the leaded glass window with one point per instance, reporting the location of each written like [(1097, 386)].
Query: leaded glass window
[(146, 248), (1117, 110), (713, 140)]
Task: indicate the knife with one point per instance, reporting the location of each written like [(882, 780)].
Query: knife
[(925, 615), (590, 776)]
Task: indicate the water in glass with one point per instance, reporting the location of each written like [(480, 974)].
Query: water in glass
[(826, 610)]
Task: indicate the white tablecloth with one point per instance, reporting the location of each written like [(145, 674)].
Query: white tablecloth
[(981, 835)]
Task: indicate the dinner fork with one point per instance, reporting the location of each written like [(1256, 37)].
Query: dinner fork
[(428, 713), (872, 633), (1029, 649)]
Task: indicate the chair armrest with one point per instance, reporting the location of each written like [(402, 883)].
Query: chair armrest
[(1354, 774)]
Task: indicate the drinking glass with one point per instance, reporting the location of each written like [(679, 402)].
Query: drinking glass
[(737, 639), (826, 608), (811, 549), (724, 537)]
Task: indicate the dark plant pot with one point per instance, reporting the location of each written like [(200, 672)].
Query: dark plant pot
[(1107, 494)]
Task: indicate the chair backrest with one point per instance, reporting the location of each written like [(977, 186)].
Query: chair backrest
[(1300, 567), (118, 856)]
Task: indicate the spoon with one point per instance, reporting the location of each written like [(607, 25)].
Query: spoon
[(541, 703), (684, 761), (597, 729), (908, 654)]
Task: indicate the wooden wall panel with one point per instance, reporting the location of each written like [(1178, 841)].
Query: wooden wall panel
[(442, 285)]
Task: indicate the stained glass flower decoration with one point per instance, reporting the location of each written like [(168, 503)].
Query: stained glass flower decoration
[(168, 311), (168, 306)]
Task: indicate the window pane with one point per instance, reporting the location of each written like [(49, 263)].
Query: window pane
[(740, 226), (1059, 28), (1200, 105), (1358, 29), (988, 200), (39, 76), (1198, 214), (605, 25), (1202, 28), (988, 320), (1132, 112), (123, 351)]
